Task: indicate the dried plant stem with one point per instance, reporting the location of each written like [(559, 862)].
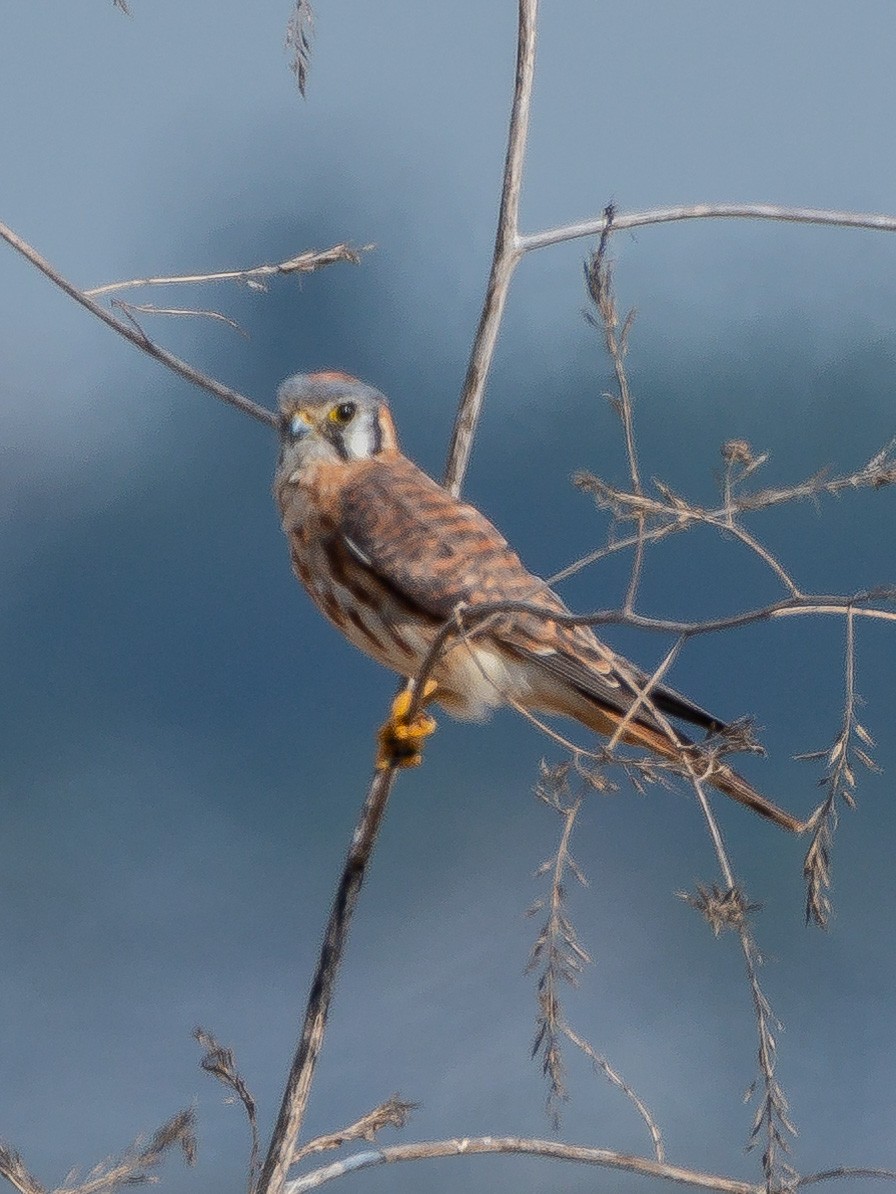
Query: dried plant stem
[(130, 309), (642, 691), (828, 1175), (840, 783), (505, 259), (136, 1165), (599, 279), (219, 1061), (394, 1113), (673, 515), (772, 1115), (613, 1076), (13, 1168), (304, 263), (137, 337), (559, 957), (510, 1145), (295, 1098)]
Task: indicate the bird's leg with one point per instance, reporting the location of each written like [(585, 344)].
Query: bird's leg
[(401, 738)]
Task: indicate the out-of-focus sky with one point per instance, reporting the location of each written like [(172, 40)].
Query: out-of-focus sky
[(185, 743)]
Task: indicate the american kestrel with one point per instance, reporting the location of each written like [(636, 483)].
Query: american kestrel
[(388, 556)]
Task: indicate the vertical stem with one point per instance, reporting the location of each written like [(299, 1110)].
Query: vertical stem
[(506, 255)]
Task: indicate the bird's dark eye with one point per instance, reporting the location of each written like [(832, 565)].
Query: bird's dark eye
[(343, 413)]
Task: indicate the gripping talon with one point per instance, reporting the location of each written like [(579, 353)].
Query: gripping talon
[(401, 740)]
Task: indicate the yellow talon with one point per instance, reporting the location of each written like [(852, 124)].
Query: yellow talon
[(400, 740)]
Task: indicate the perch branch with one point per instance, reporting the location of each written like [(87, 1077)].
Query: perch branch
[(295, 1097)]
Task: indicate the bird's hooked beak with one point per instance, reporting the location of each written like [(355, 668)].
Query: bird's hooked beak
[(299, 423)]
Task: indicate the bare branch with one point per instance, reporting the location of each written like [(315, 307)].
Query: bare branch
[(219, 1061), (298, 1086), (137, 337), (708, 211), (510, 1145), (394, 1113), (304, 263), (505, 257), (474, 619)]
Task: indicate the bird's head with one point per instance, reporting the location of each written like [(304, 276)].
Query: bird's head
[(331, 418)]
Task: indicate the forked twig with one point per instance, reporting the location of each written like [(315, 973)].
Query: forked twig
[(138, 337)]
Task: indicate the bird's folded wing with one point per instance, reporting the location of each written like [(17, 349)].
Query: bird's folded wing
[(433, 552)]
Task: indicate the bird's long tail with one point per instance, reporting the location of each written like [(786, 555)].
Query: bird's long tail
[(715, 772)]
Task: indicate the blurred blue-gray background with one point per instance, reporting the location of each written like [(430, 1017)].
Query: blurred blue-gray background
[(185, 743)]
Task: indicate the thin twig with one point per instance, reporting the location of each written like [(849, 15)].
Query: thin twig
[(841, 1171), (219, 1061), (603, 1066), (152, 309), (559, 957), (839, 780), (394, 1113), (222, 392), (772, 1114), (304, 263), (298, 1086), (599, 279), (505, 257), (557, 953), (675, 516)]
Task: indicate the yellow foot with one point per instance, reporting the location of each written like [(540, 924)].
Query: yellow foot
[(400, 739)]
